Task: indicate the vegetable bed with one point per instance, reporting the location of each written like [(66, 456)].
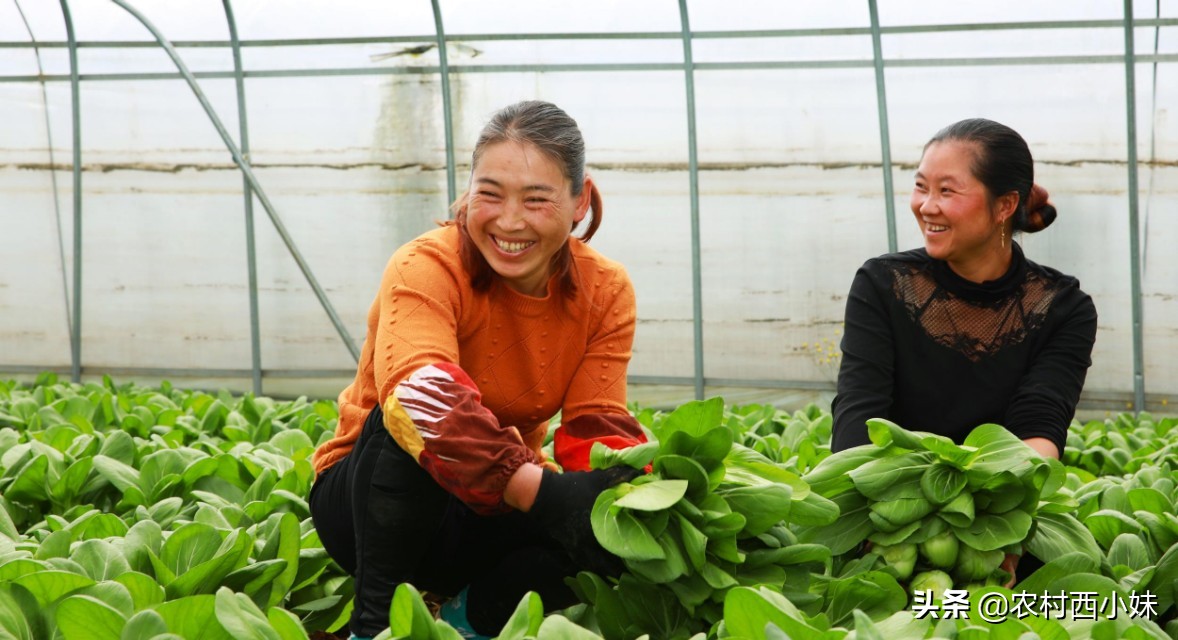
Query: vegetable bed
[(132, 512)]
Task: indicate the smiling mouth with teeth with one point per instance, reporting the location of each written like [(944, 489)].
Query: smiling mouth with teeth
[(936, 227), (512, 247)]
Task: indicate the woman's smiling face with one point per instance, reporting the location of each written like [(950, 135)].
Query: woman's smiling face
[(958, 218), (520, 212)]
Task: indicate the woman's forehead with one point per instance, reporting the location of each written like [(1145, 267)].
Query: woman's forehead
[(948, 159)]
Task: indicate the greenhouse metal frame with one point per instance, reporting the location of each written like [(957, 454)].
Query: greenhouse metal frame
[(252, 187)]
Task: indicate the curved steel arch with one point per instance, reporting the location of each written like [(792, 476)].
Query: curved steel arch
[(248, 172)]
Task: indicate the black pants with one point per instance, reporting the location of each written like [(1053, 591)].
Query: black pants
[(386, 521)]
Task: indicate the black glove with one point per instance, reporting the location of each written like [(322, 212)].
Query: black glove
[(563, 504)]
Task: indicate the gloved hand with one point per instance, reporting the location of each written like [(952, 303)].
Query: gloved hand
[(562, 506)]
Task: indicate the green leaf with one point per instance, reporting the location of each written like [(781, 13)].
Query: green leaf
[(101, 526), (653, 496), (762, 506), (941, 483), (119, 474), (241, 617), (875, 593), (1056, 534), (144, 591), (950, 453), (798, 554), (959, 513), (1165, 579), (286, 624), (144, 624), (879, 479), (20, 617), (526, 620), (16, 567), (695, 543), (903, 625), (747, 611), (118, 446), (1129, 550), (557, 627), (905, 534), (7, 527), (830, 477), (903, 511), (691, 590), (683, 468), (672, 566), (709, 450), (255, 579), (693, 418), (29, 482), (1068, 563), (602, 456), (813, 510), (885, 433), (408, 615), (989, 531), (70, 484), (50, 586), (849, 531), (1115, 498), (100, 559), (716, 577), (287, 549), (744, 465), (619, 532), (143, 537), (206, 576), (55, 545), (1000, 493), (1107, 524), (1150, 500), (998, 450), (292, 442), (193, 618), (189, 546), (87, 618)]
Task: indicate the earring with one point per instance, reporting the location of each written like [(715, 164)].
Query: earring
[(1002, 235)]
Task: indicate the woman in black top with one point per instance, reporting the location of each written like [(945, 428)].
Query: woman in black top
[(966, 330)]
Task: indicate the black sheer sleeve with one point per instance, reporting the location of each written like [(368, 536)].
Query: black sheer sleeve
[(1047, 395), (865, 376)]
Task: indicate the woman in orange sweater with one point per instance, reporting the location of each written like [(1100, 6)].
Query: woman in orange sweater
[(481, 331)]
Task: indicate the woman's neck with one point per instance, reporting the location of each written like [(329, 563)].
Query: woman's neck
[(991, 265)]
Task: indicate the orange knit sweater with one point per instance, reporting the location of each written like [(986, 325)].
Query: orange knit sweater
[(529, 357)]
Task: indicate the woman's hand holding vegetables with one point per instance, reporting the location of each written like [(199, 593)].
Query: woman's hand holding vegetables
[(562, 506)]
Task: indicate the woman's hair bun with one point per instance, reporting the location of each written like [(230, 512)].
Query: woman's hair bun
[(1038, 213)]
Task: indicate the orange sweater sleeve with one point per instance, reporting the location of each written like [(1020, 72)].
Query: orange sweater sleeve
[(595, 405), (432, 408)]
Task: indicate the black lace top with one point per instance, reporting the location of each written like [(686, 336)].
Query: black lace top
[(934, 352)]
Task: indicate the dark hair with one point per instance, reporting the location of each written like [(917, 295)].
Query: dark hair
[(1003, 164), (556, 135)]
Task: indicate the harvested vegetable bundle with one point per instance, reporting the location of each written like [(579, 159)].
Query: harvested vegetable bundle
[(710, 516), (928, 504)]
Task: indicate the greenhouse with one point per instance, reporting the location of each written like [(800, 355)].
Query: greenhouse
[(216, 211)]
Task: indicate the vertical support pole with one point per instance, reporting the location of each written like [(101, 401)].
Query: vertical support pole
[(1134, 228), (250, 246), (885, 140), (76, 112), (447, 114), (697, 314), (248, 172)]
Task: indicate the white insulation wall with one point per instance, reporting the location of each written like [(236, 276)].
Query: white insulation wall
[(791, 185)]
